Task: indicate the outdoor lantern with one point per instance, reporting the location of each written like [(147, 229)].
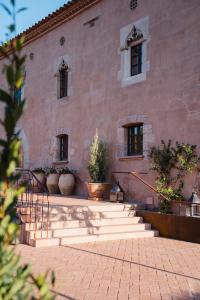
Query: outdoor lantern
[(116, 194)]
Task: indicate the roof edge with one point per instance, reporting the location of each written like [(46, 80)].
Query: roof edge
[(54, 20)]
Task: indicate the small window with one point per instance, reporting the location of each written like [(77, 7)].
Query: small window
[(63, 147), (63, 80), (135, 140), (136, 60)]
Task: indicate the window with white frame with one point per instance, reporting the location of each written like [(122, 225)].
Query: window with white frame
[(133, 50)]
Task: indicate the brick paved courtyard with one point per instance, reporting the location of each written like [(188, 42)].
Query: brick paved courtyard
[(151, 268)]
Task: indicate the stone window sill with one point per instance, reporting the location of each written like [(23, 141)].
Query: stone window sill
[(134, 79), (134, 157), (63, 100), (61, 162)]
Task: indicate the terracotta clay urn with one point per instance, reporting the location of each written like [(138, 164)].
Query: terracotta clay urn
[(52, 183), (66, 184), (41, 178)]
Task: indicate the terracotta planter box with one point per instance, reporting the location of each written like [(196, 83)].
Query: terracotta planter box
[(172, 226)]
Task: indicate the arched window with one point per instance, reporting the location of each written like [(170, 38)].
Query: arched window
[(63, 80), (133, 45), (134, 42)]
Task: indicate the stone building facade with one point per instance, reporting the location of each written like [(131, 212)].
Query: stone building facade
[(128, 64)]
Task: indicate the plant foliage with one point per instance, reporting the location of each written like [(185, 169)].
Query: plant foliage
[(97, 161), (66, 171), (38, 170), (172, 164), (16, 280), (50, 170)]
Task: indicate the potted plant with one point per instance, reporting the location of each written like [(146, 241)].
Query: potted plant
[(66, 181), (39, 175), (52, 180), (97, 170)]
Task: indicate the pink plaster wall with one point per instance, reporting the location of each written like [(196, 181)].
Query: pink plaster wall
[(169, 97)]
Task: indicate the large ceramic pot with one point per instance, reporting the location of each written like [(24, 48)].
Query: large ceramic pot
[(66, 184), (97, 191), (35, 185), (52, 183)]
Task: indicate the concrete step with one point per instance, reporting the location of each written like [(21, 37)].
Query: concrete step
[(81, 216), (54, 209), (44, 242), (84, 223), (88, 215), (61, 233), (92, 238), (92, 208)]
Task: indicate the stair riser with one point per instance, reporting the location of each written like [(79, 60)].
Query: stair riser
[(78, 224), (87, 231), (121, 236), (98, 208), (76, 210), (79, 216), (92, 238), (88, 216)]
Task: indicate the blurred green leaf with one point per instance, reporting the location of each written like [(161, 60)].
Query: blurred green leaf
[(11, 28), (6, 8), (12, 2), (21, 9)]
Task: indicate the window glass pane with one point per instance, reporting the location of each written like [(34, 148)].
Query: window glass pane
[(135, 140), (136, 59), (63, 140), (63, 83)]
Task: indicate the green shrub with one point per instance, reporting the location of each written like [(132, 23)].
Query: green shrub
[(50, 170), (65, 171), (172, 164), (38, 170), (97, 161), (16, 280)]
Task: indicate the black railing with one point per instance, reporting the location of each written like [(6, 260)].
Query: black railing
[(33, 204)]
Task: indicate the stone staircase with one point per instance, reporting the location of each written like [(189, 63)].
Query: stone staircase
[(74, 222)]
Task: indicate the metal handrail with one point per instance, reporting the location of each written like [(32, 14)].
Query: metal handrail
[(45, 190), (136, 175), (31, 206)]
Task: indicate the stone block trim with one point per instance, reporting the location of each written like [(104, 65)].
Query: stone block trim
[(125, 53), (148, 135)]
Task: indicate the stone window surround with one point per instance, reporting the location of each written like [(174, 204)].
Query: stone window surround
[(124, 52), (148, 137), (55, 147)]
